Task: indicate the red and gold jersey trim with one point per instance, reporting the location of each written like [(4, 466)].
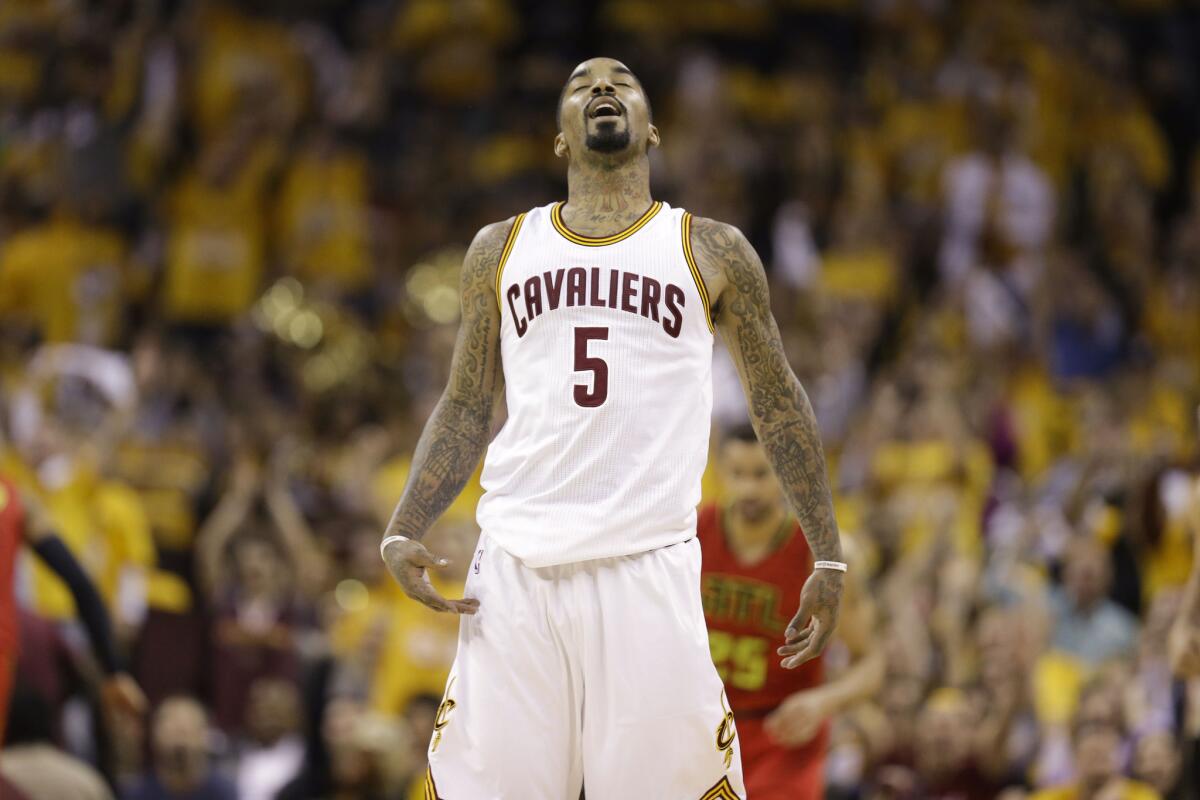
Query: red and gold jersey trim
[(599, 241), (505, 253), (696, 276)]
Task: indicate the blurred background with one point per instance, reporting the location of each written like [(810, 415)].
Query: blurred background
[(229, 241)]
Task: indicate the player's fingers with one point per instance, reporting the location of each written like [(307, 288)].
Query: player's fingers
[(800, 624), (467, 605), (812, 649), (423, 592), (801, 635), (794, 645)]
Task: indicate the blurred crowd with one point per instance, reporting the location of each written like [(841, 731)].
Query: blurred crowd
[(229, 242)]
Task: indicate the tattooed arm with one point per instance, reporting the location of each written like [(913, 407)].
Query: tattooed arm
[(456, 434), (782, 417)]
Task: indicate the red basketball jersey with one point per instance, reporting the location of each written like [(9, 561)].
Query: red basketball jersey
[(748, 609), (12, 518)]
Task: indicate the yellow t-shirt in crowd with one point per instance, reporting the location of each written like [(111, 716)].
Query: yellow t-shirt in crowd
[(1134, 131), (1044, 422), (1129, 790), (21, 65), (866, 273), (67, 278), (239, 55), (322, 220), (215, 249), (1172, 318), (102, 523)]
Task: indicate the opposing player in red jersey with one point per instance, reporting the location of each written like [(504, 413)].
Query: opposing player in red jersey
[(755, 561), (23, 521)]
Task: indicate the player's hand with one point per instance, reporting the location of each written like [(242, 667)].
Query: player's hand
[(809, 631), (408, 561), (122, 695), (798, 718)]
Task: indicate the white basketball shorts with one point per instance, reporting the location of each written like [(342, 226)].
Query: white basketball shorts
[(592, 675)]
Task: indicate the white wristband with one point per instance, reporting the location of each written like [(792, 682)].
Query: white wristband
[(388, 540), (838, 565)]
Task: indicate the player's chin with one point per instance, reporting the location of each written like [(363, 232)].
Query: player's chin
[(608, 137)]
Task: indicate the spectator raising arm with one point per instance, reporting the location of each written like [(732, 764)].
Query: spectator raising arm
[(224, 521), (120, 691)]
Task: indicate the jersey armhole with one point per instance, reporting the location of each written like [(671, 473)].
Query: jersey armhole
[(686, 226), (509, 241)]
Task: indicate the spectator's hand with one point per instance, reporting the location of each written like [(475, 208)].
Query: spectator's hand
[(798, 718), (247, 475), (1183, 648), (38, 524), (122, 695), (809, 631), (408, 561)]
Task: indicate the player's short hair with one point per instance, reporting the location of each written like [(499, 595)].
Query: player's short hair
[(743, 432)]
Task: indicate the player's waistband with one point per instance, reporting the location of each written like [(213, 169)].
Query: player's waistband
[(540, 558)]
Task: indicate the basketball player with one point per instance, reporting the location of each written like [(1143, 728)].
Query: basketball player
[(22, 520), (582, 654), (753, 551)]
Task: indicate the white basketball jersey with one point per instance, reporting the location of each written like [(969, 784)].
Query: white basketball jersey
[(607, 351)]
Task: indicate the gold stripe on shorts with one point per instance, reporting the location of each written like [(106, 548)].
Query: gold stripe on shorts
[(722, 791)]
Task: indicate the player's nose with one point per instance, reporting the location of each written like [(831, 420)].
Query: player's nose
[(603, 86)]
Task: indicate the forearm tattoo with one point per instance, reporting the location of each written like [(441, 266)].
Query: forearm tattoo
[(779, 407), (457, 432)]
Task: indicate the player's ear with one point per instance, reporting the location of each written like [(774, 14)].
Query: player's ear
[(560, 146), (653, 138)]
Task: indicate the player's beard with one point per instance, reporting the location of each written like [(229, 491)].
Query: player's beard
[(607, 139)]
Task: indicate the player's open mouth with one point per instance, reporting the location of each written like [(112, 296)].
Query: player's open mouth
[(604, 107)]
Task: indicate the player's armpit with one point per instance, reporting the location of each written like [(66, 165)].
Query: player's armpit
[(782, 416), (457, 432)]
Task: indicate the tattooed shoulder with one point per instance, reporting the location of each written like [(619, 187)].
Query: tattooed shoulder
[(726, 260), (731, 268), (483, 256)]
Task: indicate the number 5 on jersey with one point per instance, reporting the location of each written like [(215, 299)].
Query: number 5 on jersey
[(595, 397)]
